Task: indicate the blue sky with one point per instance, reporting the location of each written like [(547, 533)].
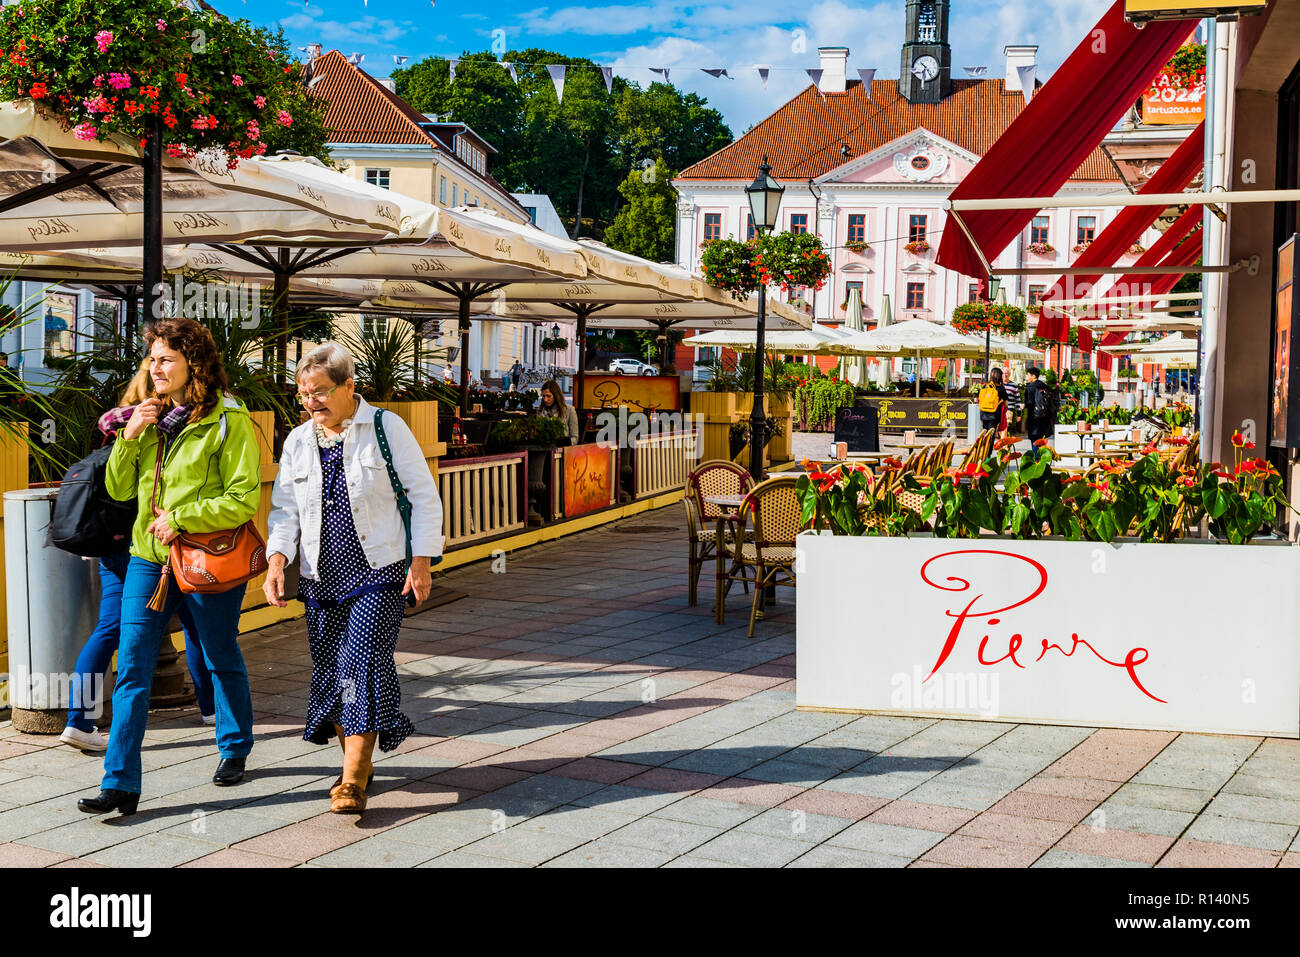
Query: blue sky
[(681, 35)]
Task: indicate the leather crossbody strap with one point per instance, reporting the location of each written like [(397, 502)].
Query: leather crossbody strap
[(403, 503)]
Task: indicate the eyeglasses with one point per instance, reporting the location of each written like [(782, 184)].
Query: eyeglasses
[(321, 395)]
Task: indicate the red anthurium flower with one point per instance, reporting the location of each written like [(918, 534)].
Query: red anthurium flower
[(1039, 443), (1236, 439), (1148, 449)]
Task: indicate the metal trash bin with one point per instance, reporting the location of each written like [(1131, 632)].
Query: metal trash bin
[(53, 603)]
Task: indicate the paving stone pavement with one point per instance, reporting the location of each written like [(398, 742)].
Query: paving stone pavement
[(574, 711)]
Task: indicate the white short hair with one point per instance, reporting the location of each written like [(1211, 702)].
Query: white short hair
[(333, 358)]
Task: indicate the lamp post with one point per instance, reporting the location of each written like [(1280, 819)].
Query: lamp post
[(555, 334), (764, 196), (995, 285)]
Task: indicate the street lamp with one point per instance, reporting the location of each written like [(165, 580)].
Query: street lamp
[(995, 284), (764, 196)]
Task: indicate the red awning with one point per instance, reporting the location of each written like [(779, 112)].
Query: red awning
[(1173, 176), (1066, 120), (1054, 324), (1182, 252)]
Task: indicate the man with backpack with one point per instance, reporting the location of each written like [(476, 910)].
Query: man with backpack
[(1040, 406), (992, 401)]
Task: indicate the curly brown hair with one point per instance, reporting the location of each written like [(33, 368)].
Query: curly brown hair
[(191, 339)]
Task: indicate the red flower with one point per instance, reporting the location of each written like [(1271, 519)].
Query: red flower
[(38, 91), (1247, 445), (1039, 443), (182, 78), (1237, 439), (1149, 448)]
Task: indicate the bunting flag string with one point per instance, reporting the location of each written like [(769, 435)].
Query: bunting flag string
[(815, 74), (451, 65), (557, 77), (763, 71), (661, 70), (716, 74), (399, 60), (509, 68), (868, 77), (607, 73)]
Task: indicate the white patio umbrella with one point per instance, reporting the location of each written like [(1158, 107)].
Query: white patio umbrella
[(855, 368), (917, 337), (814, 340), (1171, 349), (885, 372), (57, 192)]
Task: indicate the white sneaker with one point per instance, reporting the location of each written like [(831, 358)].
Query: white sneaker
[(209, 718), (84, 740)]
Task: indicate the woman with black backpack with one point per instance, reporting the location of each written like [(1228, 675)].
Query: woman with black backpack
[(92, 664)]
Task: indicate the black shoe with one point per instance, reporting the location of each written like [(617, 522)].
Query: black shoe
[(229, 771), (110, 799)]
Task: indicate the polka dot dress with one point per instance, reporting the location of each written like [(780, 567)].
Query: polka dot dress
[(354, 615)]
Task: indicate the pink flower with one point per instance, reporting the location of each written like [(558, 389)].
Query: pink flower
[(259, 101), (97, 105), (98, 82), (162, 26), (254, 131), (85, 131), (103, 38), (237, 80), (119, 81), (284, 119)]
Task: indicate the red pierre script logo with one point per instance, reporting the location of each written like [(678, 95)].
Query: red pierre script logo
[(971, 563)]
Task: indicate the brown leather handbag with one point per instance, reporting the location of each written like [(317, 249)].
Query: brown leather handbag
[(208, 562)]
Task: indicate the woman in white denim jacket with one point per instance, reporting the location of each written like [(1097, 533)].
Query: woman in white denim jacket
[(334, 506)]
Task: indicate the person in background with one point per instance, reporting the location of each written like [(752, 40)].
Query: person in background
[(516, 371), (1013, 421), (554, 406), (1040, 408), (334, 506), (99, 648), (993, 402), (211, 480)]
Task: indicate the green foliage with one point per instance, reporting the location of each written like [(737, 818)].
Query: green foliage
[(727, 374), (384, 359), (103, 66), (817, 401), (975, 317), (787, 260), (510, 434), (646, 225), (579, 150)]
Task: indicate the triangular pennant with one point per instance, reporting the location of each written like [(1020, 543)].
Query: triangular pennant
[(661, 70), (976, 70), (399, 60), (557, 77), (815, 74), (763, 71), (607, 74), (451, 72), (868, 77), (509, 68), (718, 73), (1027, 77)]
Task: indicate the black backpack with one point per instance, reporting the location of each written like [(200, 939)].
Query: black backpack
[(87, 521), (1044, 404)]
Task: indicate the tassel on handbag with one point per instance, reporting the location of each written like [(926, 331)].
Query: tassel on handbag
[(158, 601)]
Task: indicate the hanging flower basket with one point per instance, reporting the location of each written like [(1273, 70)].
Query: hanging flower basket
[(106, 68), (787, 260), (976, 317)]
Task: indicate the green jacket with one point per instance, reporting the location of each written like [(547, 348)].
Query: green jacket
[(208, 485)]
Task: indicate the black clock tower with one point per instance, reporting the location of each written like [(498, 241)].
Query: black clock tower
[(926, 72)]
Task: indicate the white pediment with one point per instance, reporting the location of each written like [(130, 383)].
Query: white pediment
[(918, 268), (919, 156)]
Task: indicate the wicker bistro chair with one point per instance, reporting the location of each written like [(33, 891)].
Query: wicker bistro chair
[(714, 477), (769, 548)]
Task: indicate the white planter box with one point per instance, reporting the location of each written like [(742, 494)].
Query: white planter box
[(1188, 637)]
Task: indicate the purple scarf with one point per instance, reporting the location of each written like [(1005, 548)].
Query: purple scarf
[(170, 424)]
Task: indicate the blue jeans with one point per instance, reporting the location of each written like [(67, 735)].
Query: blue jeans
[(216, 619), (93, 661)]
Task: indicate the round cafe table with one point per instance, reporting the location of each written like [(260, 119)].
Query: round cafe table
[(730, 506)]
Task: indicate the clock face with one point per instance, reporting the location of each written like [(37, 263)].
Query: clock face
[(926, 68)]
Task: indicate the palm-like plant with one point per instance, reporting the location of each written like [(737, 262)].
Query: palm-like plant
[(385, 358)]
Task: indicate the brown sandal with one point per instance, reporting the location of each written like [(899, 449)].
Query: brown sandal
[(339, 781), (348, 799)]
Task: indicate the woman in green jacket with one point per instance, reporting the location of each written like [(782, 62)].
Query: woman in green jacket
[(211, 481)]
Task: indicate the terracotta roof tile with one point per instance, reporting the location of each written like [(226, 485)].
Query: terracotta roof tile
[(363, 110), (802, 139)]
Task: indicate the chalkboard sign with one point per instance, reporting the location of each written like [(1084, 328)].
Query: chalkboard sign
[(859, 427)]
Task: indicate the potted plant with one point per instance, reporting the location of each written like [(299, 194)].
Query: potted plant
[(917, 247)]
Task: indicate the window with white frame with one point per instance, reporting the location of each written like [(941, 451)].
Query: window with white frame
[(377, 177), (374, 326), (442, 190)]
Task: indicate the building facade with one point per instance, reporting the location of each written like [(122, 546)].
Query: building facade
[(869, 171)]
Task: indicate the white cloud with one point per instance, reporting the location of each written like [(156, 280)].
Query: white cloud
[(367, 30)]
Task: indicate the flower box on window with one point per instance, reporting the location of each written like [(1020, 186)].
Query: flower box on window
[(1041, 249), (918, 247)]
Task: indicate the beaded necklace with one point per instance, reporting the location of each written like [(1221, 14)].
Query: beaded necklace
[(329, 441)]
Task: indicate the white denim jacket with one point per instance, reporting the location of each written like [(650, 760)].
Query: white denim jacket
[(296, 499)]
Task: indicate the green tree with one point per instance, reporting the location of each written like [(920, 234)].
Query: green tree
[(646, 224), (577, 151)]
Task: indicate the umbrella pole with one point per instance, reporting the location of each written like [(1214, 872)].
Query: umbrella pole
[(756, 421), (917, 377), (581, 377), (463, 325), (153, 237)]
